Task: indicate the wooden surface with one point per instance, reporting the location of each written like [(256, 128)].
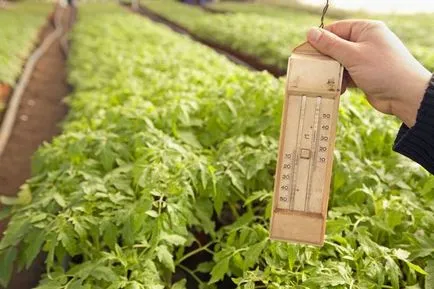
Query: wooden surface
[(305, 160)]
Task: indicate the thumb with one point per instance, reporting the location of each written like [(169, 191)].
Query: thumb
[(332, 45)]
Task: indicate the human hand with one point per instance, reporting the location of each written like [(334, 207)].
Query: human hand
[(378, 63)]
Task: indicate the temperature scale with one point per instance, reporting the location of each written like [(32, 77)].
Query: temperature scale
[(307, 138)]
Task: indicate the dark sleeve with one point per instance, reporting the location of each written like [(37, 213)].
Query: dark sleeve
[(417, 143)]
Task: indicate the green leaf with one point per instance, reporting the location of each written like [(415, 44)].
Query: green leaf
[(7, 259), (204, 211), (292, 251), (205, 267), (393, 271), (59, 200), (428, 189), (257, 196), (219, 199), (337, 226), (402, 254), (34, 247), (174, 239), (249, 285), (220, 270), (243, 220), (416, 268), (136, 285), (5, 212), (189, 138), (85, 269), (118, 285), (203, 175), (51, 284), (152, 213), (207, 286), (236, 180), (24, 197), (429, 281), (156, 286), (165, 257), (50, 247), (182, 284), (104, 273), (110, 235), (128, 231), (107, 158), (38, 217), (394, 218), (251, 256), (16, 229), (75, 284), (67, 237)]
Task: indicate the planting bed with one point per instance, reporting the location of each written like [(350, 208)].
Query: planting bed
[(414, 30), (38, 118), (235, 34), (287, 9), (287, 13), (235, 56), (162, 178), (269, 33), (19, 27), (269, 40)]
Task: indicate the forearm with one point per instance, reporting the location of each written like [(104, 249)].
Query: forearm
[(417, 142)]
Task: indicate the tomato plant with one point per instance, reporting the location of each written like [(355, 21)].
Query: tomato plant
[(19, 27), (169, 151)]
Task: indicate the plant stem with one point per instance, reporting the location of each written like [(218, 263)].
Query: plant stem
[(209, 251), (234, 211), (194, 252), (192, 274)]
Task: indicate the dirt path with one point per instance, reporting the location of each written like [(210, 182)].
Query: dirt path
[(236, 56), (38, 118)]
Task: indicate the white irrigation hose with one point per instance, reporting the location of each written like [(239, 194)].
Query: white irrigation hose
[(12, 109)]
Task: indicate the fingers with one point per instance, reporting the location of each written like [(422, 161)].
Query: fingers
[(347, 29), (351, 30), (332, 45)]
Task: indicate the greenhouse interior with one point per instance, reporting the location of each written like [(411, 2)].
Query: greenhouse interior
[(168, 144)]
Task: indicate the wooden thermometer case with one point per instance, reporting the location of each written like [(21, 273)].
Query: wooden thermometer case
[(307, 137)]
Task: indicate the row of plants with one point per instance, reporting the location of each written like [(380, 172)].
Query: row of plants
[(168, 155), (282, 5), (269, 39), (20, 23), (270, 33), (276, 11)]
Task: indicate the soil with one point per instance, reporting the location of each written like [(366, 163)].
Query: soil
[(5, 91), (238, 57), (40, 112)]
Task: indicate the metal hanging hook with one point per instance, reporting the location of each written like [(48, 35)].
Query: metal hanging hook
[(324, 11)]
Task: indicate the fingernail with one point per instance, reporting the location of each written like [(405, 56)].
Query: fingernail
[(314, 34)]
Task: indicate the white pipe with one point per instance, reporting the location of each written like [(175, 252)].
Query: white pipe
[(12, 109)]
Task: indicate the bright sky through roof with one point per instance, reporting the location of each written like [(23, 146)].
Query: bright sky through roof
[(382, 6)]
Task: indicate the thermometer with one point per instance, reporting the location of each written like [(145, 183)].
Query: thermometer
[(307, 137)]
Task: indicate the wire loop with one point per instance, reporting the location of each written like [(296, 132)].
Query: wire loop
[(324, 11)]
